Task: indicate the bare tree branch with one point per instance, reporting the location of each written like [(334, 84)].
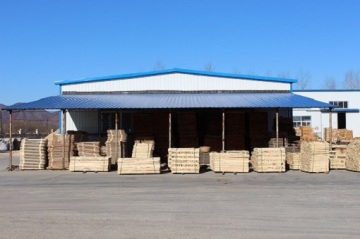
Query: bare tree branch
[(352, 79), (209, 67), (330, 83), (159, 65), (304, 78), (236, 70), (284, 74)]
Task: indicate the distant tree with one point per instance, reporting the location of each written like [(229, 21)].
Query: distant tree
[(209, 67), (352, 79), (159, 65), (268, 73), (236, 70), (330, 83), (284, 74), (304, 78)]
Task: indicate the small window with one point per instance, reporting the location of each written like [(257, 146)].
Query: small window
[(301, 121), (340, 104)]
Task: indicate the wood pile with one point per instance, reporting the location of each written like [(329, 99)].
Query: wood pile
[(115, 144), (33, 154), (268, 159), (139, 165), (307, 133), (338, 157), (230, 161), (338, 134), (293, 160), (143, 149), (55, 148), (184, 160), (283, 142), (314, 156), (91, 149), (353, 156), (89, 164)]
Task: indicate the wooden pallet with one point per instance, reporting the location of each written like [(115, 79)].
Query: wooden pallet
[(352, 162), (184, 160), (138, 165), (230, 161), (89, 164), (268, 160), (315, 156), (33, 155)]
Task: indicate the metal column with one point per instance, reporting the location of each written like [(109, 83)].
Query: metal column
[(223, 131), (10, 143), (330, 127), (277, 128), (170, 129), (116, 137), (63, 131)]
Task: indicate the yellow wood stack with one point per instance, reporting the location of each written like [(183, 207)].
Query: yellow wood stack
[(230, 161), (33, 154), (338, 134), (338, 157), (143, 150), (345, 134), (89, 164), (268, 159), (114, 147), (138, 165), (314, 156), (353, 156), (90, 149), (307, 133), (184, 160), (283, 142), (293, 160)]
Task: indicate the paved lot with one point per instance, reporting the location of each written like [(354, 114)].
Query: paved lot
[(61, 204)]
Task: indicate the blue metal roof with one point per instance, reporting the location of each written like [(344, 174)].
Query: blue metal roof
[(175, 70), (171, 101)]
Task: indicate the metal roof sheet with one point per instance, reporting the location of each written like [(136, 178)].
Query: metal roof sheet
[(174, 70), (171, 100)]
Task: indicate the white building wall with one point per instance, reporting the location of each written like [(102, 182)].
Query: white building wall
[(319, 120), (83, 120), (176, 82)]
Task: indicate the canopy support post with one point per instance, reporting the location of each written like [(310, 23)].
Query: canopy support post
[(10, 143), (63, 137), (223, 131), (330, 126), (116, 137), (277, 128), (170, 129)]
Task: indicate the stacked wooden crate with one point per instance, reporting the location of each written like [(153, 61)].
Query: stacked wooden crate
[(143, 149), (293, 160), (115, 147), (345, 134), (307, 133), (280, 142), (314, 156), (89, 164), (334, 134), (204, 158), (352, 162), (184, 160), (148, 165), (268, 159), (338, 157), (230, 161), (33, 154), (89, 158), (56, 148)]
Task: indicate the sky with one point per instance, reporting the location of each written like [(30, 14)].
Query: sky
[(44, 41)]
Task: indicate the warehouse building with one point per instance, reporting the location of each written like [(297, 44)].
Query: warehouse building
[(180, 108), (344, 116)]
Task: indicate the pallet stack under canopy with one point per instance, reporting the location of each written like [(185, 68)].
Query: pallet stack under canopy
[(282, 142), (147, 165), (115, 147), (230, 161), (89, 164), (352, 162), (33, 154), (143, 149), (293, 160), (314, 156), (268, 159), (184, 160), (86, 149), (338, 157)]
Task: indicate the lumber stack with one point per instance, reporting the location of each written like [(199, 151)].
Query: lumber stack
[(352, 162), (344, 134), (90, 149), (230, 161), (338, 157), (268, 159), (283, 142), (33, 154), (307, 133), (184, 160), (143, 149), (139, 165), (204, 158), (56, 147), (314, 156), (293, 160), (115, 147), (89, 164)]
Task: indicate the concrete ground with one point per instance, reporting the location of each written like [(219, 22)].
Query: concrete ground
[(61, 204)]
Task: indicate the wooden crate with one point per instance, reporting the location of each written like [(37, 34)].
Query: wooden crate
[(138, 165), (89, 164), (352, 162), (268, 159), (293, 160), (184, 160), (315, 156), (230, 161), (33, 154)]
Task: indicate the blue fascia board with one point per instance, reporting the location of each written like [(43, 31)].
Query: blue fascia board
[(327, 90), (175, 70)]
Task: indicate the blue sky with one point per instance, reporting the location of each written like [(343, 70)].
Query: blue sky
[(43, 41)]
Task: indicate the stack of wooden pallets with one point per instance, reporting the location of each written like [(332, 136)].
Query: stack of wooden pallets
[(56, 147), (314, 156), (115, 147), (184, 160), (268, 159), (140, 165), (338, 156), (334, 134), (307, 133), (204, 158), (293, 160), (91, 149), (33, 154), (283, 142), (345, 134), (89, 164), (143, 150), (230, 161), (352, 162)]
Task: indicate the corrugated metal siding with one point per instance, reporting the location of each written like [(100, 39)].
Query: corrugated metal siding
[(176, 82), (82, 120), (174, 100)]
